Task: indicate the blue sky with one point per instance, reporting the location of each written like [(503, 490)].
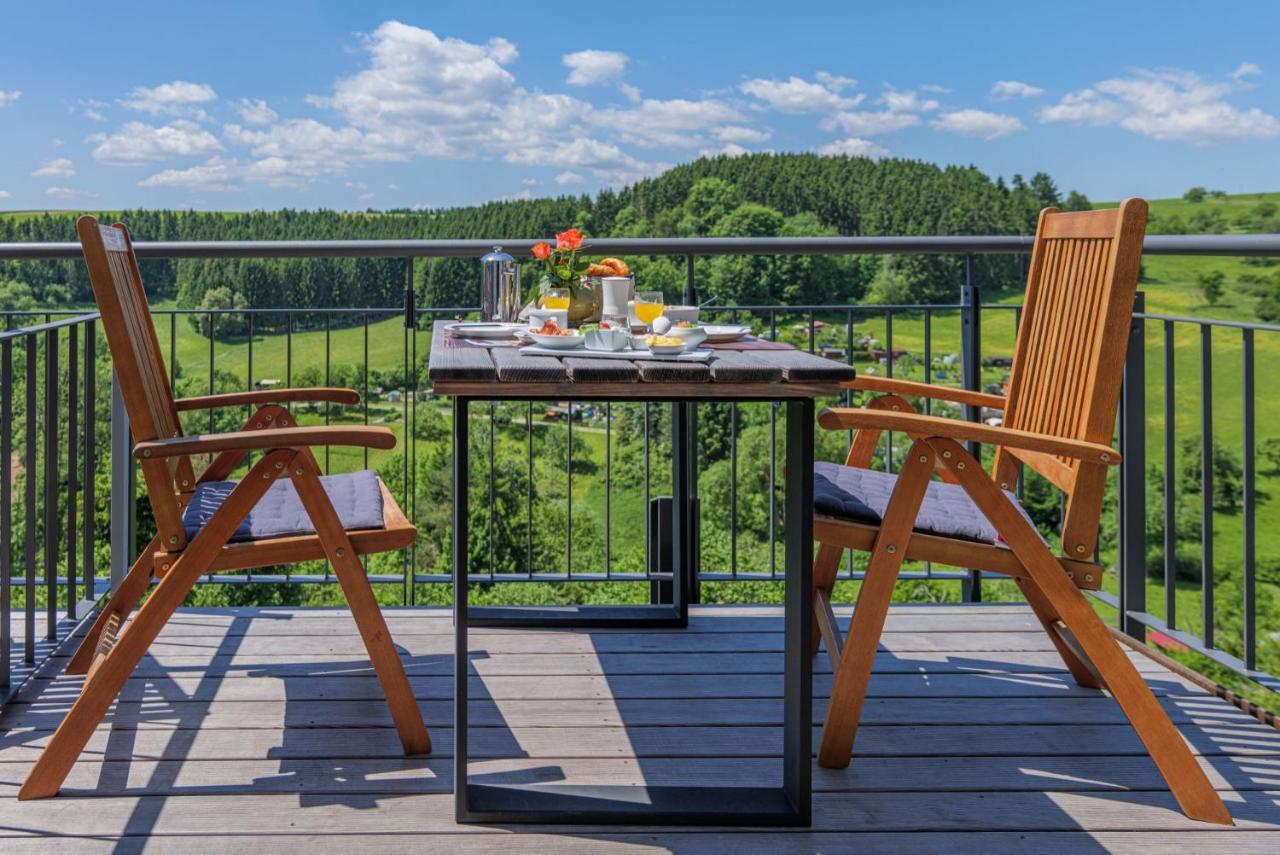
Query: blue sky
[(380, 104)]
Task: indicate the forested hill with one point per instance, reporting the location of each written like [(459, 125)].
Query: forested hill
[(752, 195)]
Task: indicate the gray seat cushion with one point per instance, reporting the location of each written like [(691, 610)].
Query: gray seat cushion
[(862, 495), (279, 513)]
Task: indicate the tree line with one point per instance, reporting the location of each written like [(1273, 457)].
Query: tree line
[(759, 195)]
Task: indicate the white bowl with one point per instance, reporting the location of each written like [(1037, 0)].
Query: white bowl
[(666, 349), (691, 336), (538, 317), (726, 332), (609, 340), (557, 342), (681, 313)]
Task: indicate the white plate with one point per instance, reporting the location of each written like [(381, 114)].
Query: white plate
[(718, 333), (482, 330), (557, 342)]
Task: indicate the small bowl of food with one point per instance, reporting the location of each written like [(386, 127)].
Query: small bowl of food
[(664, 345), (605, 336), (688, 332), (552, 335), (538, 317)]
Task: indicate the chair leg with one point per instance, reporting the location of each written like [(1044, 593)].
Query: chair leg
[(1081, 669), (825, 566), (849, 690), (364, 606), (1187, 781), (110, 671), (117, 608)]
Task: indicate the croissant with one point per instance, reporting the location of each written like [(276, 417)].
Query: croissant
[(619, 266), (597, 269)]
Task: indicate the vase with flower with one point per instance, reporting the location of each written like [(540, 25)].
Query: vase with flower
[(564, 269)]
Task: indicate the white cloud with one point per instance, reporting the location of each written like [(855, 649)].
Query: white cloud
[(58, 168), (138, 142), (632, 93), (588, 67), (178, 98), (583, 151), (739, 134), (69, 193), (9, 96), (1167, 105), (5, 194), (530, 182), (978, 123), (1083, 107), (94, 115), (854, 147), (676, 123), (222, 175), (1246, 69), (256, 112), (796, 95), (867, 123), (1003, 90), (569, 177), (726, 150), (907, 101), (421, 93)]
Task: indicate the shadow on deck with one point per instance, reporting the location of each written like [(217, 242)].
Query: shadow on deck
[(264, 730)]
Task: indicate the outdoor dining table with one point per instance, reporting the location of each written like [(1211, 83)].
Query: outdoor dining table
[(468, 371)]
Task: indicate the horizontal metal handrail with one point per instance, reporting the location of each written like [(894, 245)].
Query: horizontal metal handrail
[(18, 332), (1225, 245)]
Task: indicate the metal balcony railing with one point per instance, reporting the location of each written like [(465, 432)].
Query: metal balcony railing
[(57, 480)]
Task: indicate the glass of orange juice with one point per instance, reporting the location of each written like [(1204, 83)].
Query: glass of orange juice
[(649, 306), (555, 298)]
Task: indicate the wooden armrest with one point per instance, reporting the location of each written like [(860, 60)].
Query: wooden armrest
[(359, 436), (925, 390), (925, 426), (333, 395)]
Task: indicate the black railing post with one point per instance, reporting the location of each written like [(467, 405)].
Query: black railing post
[(1249, 508), (1133, 488), (689, 411), (408, 571), (971, 361), (122, 481)]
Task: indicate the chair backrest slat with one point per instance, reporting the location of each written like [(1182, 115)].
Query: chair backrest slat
[(139, 365), (1069, 361)]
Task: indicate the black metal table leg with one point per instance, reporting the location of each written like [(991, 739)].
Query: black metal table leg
[(461, 662), (788, 805)]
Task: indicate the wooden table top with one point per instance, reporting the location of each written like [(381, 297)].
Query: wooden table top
[(461, 369)]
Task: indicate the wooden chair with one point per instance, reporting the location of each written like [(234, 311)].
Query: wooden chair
[(1058, 420), (281, 512)]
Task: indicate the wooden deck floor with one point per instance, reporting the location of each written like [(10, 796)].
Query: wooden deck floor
[(254, 730)]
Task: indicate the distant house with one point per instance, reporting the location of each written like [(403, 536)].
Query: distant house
[(267, 383), (394, 395), (882, 355)]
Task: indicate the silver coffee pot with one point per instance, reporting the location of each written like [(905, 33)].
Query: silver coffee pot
[(500, 287)]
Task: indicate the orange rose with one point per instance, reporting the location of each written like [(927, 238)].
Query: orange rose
[(570, 239), (542, 251)]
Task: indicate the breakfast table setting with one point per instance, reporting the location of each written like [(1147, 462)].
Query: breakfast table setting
[(597, 338)]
